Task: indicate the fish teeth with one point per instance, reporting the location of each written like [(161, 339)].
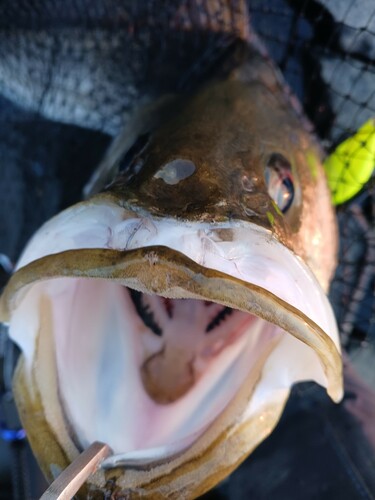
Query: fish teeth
[(218, 319), (145, 312)]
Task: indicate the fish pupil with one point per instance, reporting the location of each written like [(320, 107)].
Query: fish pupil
[(279, 180), (288, 194)]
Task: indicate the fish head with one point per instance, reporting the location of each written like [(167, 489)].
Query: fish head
[(169, 315), (238, 151)]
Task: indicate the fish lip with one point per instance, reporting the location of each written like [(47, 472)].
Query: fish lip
[(136, 269)]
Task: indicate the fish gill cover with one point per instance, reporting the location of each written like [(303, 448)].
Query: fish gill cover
[(63, 95)]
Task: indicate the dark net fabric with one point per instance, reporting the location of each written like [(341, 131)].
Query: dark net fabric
[(72, 72), (326, 50)]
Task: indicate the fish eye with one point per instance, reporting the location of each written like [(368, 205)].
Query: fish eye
[(279, 181)]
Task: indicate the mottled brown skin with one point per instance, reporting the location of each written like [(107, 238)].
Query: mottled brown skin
[(228, 130)]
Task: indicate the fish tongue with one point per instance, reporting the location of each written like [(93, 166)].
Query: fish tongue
[(193, 332)]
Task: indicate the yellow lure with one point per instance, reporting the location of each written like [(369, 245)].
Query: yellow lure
[(351, 165)]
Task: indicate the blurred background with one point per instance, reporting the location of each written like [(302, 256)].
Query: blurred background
[(68, 84)]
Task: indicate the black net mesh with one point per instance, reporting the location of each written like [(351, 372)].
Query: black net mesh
[(72, 72), (326, 51)]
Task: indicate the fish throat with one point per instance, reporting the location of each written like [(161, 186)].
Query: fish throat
[(193, 332)]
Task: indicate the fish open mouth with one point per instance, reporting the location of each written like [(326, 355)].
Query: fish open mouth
[(161, 333)]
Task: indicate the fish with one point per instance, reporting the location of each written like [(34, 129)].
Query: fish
[(169, 314)]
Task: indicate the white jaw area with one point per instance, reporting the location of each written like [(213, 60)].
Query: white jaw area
[(179, 319)]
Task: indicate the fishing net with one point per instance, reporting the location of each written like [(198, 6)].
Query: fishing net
[(58, 113), (326, 51)]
